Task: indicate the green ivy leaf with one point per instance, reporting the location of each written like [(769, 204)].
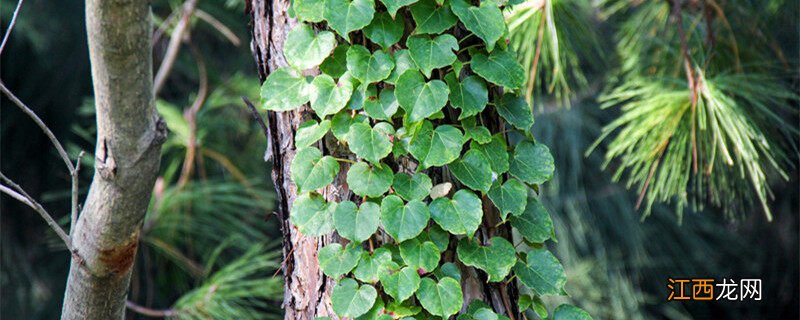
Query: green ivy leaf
[(510, 197), (440, 299), (311, 171), (393, 5), (309, 10), (310, 132), (369, 181), (495, 152), (516, 111), (469, 95), (356, 223), (399, 283), (328, 97), (480, 134), (341, 122), (335, 65), (385, 30), (415, 187), (403, 310), (350, 300), (422, 256), (335, 260), (402, 62), (373, 265), (534, 224), (374, 313), (496, 259), (473, 170), (532, 162), (436, 235), (500, 67), (284, 90), (432, 53), (312, 215), (403, 221), (570, 312), (432, 18), (345, 16), (461, 215), (382, 108), (436, 147), (369, 68), (418, 98), (485, 21), (306, 50), (369, 143), (542, 273), (448, 269)]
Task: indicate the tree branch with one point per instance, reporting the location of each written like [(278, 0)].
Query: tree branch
[(15, 191), (11, 25), (150, 312), (174, 46)]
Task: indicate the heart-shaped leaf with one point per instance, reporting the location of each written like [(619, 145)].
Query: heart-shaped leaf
[(382, 108), (335, 260), (436, 147), (496, 259), (440, 299), (312, 214), (485, 21), (403, 221), (570, 312), (284, 90), (495, 151), (345, 16), (432, 18), (385, 30), (404, 310), (534, 224), (373, 265), (328, 97), (510, 197), (399, 283), (309, 10), (369, 68), (418, 98), (306, 50), (369, 181), (350, 300), (402, 62), (532, 162), (369, 143), (516, 111), (500, 67), (376, 312), (436, 235), (393, 5), (311, 171), (461, 215), (432, 53), (341, 122), (542, 273), (356, 223), (448, 269), (422, 256), (415, 187), (335, 65), (310, 132), (480, 134), (470, 95), (473, 170)]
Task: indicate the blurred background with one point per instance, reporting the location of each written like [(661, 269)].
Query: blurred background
[(211, 250)]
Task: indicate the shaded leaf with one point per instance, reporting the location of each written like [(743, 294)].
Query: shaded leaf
[(532, 162), (496, 259), (403, 221), (473, 170), (470, 95), (495, 151), (421, 256), (460, 215), (335, 65), (393, 5), (432, 53), (534, 224), (542, 273), (485, 21), (516, 111), (570, 312), (509, 197), (382, 108), (436, 147), (369, 68), (385, 30), (500, 67), (432, 18)]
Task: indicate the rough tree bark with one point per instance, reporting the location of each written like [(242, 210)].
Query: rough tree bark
[(307, 290), (127, 155)]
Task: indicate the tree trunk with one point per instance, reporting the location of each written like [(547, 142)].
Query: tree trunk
[(127, 155), (307, 289)]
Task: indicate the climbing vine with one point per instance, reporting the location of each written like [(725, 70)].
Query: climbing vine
[(409, 90)]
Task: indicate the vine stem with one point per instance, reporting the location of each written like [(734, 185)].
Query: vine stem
[(345, 160)]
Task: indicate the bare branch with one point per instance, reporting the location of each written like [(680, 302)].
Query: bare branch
[(16, 192), (219, 26), (174, 46), (10, 26), (74, 208), (40, 123), (150, 312)]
